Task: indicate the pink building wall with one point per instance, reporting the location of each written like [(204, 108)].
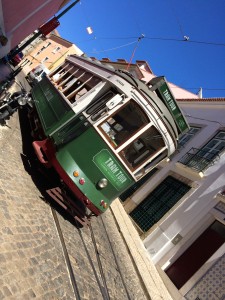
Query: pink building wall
[(179, 93), (21, 18)]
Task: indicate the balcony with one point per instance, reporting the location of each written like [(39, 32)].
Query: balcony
[(200, 159)]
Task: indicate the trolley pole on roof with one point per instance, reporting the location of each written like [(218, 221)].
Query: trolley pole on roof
[(138, 41), (43, 30)]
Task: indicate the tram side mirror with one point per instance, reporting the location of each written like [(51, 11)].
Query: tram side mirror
[(114, 101)]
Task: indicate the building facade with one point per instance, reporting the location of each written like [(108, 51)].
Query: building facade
[(50, 52), (18, 19), (179, 208), (180, 211)]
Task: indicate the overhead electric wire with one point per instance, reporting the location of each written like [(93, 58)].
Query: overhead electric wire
[(114, 48), (186, 41), (195, 88), (213, 89), (149, 38), (177, 19), (134, 16), (184, 38), (163, 39)]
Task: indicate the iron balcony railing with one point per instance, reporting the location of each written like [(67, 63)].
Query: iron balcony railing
[(200, 159)]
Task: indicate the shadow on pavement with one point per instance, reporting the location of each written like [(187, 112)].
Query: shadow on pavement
[(43, 178)]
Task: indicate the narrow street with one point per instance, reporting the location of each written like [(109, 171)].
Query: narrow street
[(31, 255)]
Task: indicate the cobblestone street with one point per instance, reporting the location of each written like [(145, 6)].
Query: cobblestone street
[(32, 260), (31, 257)]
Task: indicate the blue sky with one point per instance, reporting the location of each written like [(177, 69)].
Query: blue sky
[(198, 62)]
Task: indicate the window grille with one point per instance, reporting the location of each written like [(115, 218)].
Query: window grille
[(159, 202), (137, 185), (201, 159)]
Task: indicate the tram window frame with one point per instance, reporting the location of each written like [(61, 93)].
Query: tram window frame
[(74, 82), (113, 130), (98, 108), (141, 151), (81, 86)]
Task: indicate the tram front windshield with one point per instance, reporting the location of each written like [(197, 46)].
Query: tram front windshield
[(121, 127), (141, 149)]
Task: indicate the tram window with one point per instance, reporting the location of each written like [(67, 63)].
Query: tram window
[(99, 103), (62, 74), (98, 108), (151, 164), (124, 123), (93, 82), (143, 148), (76, 85), (74, 82)]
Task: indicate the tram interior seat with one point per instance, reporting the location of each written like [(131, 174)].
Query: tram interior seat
[(144, 147), (129, 123), (138, 151)]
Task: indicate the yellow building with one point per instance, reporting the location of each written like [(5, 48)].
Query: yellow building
[(50, 52)]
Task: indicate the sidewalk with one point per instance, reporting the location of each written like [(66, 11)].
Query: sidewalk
[(146, 269)]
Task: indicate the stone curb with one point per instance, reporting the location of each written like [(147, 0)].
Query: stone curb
[(146, 269)]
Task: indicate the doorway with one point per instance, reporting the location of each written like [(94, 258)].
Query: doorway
[(197, 254)]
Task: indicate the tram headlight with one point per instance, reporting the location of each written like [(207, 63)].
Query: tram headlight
[(103, 183)]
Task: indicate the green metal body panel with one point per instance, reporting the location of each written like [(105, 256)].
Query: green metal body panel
[(52, 109), (174, 109), (90, 156), (162, 89), (79, 147), (70, 130)]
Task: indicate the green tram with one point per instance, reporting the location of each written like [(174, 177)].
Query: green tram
[(101, 129)]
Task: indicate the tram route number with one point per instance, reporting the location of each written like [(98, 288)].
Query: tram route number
[(111, 169)]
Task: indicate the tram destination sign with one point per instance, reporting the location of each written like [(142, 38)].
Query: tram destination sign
[(108, 165), (160, 86)]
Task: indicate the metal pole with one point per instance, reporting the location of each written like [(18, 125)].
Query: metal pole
[(66, 10), (18, 50)]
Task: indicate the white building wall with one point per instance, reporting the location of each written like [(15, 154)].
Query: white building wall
[(194, 212)]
